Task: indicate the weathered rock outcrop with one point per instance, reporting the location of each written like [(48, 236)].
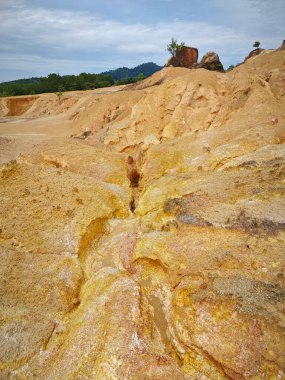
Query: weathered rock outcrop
[(211, 61), (154, 248), (186, 57), (253, 53)]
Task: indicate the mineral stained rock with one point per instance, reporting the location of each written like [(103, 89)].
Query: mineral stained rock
[(186, 57), (155, 247)]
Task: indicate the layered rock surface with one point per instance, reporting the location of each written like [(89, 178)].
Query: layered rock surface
[(154, 248)]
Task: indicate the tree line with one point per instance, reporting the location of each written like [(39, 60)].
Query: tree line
[(57, 83)]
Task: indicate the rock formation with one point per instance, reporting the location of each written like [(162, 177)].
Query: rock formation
[(253, 53), (211, 61), (186, 57), (154, 247)]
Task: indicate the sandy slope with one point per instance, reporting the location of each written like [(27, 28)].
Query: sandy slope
[(142, 229)]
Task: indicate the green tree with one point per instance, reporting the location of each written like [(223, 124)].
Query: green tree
[(173, 48), (256, 44), (59, 95), (140, 77)]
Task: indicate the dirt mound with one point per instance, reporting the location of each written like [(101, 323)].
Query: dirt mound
[(100, 111), (186, 103), (35, 106), (160, 77), (16, 106)]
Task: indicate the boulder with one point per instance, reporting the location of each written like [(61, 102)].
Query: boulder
[(186, 57), (253, 53), (211, 61)]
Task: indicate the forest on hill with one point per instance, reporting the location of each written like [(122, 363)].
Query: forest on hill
[(124, 72), (84, 81)]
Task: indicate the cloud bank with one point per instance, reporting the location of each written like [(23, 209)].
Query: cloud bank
[(36, 40)]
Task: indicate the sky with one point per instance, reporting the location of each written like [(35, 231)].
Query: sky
[(38, 37)]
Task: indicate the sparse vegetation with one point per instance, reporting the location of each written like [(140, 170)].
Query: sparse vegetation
[(256, 44), (174, 48), (59, 95), (231, 67)]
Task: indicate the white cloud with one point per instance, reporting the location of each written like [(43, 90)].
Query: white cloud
[(37, 64), (44, 40)]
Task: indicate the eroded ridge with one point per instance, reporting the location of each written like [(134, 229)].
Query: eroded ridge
[(154, 247)]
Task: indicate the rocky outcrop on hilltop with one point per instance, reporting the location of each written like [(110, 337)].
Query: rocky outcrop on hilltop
[(211, 61), (186, 57), (154, 248), (254, 53)]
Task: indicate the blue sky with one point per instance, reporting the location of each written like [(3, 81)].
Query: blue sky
[(38, 37)]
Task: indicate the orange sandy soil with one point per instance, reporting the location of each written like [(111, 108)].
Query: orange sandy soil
[(150, 244), (24, 124)]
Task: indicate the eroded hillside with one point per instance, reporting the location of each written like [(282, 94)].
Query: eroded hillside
[(142, 231)]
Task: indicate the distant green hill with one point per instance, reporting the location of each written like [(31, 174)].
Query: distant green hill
[(121, 73), (22, 81), (124, 72), (84, 81)]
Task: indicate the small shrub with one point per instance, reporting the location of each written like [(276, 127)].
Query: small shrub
[(174, 48), (59, 95)]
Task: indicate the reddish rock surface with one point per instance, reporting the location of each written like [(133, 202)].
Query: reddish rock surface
[(186, 57), (253, 53)]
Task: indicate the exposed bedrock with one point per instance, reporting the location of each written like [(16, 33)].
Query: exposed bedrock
[(154, 248)]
